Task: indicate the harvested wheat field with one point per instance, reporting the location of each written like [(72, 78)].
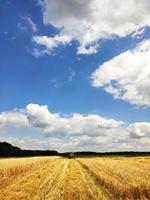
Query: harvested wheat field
[(57, 178)]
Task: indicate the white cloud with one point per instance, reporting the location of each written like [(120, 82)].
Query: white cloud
[(39, 117), (74, 132), (40, 52), (51, 43), (32, 24), (138, 33), (127, 76), (77, 124), (28, 142), (2, 121), (88, 21), (14, 118), (139, 130)]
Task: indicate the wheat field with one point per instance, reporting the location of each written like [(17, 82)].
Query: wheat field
[(58, 178)]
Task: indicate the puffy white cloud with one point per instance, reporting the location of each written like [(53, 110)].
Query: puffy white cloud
[(77, 124), (116, 140), (139, 130), (51, 43), (14, 118), (74, 132), (127, 76), (39, 117), (88, 21)]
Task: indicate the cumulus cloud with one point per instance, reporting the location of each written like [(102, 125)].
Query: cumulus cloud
[(139, 130), (127, 75), (74, 132), (14, 118), (39, 117), (88, 21), (76, 124)]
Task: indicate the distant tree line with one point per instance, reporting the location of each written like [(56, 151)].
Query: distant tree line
[(8, 150), (90, 153), (124, 153)]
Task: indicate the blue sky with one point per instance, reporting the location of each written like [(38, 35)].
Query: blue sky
[(59, 76)]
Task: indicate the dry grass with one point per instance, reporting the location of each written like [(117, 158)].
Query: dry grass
[(55, 178), (125, 178), (81, 185), (16, 166)]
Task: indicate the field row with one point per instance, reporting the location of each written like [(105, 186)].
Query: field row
[(56, 178)]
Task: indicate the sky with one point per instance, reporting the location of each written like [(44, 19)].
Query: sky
[(75, 74)]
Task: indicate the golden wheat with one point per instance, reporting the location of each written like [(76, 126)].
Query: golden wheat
[(124, 177), (56, 178)]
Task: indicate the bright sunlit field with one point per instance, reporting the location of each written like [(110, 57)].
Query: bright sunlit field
[(89, 178)]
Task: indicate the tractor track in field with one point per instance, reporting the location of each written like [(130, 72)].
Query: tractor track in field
[(98, 191), (134, 192), (74, 179), (53, 186), (97, 181), (70, 181), (60, 179)]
